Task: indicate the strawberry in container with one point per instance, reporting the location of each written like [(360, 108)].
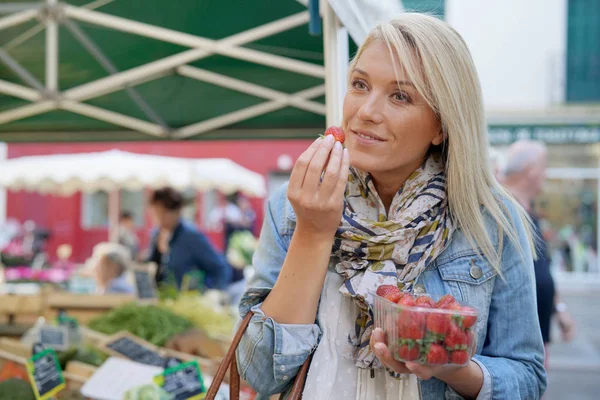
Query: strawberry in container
[(430, 330)]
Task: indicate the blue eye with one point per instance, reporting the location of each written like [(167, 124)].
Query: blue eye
[(402, 97), (358, 84)]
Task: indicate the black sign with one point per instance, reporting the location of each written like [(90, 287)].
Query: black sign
[(172, 362), (46, 375), (144, 284), (184, 381), (54, 337), (37, 348), (136, 352)]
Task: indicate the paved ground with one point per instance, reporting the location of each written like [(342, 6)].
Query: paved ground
[(574, 371)]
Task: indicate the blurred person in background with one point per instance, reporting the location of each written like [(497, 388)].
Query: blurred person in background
[(110, 272), (178, 248), (524, 176), (127, 234), (235, 216)]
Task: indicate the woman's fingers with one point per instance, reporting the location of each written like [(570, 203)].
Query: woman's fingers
[(382, 351), (315, 169), (301, 166), (342, 181), (332, 172)]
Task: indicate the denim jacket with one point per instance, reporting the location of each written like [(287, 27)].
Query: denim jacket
[(510, 350)]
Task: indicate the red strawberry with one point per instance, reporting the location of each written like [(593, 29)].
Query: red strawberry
[(424, 301), (470, 337), (437, 323), (389, 292), (337, 132), (411, 327), (456, 339), (459, 357), (469, 319), (409, 352), (445, 301), (437, 355), (407, 300)]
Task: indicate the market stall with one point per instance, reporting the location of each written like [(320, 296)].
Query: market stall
[(156, 73), (112, 171)]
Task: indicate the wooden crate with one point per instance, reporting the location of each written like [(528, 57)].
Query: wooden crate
[(84, 307)]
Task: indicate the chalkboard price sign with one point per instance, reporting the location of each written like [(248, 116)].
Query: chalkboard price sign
[(54, 337), (144, 284), (132, 349), (45, 374), (183, 382)]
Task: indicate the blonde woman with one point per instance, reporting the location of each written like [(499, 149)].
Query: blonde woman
[(411, 200)]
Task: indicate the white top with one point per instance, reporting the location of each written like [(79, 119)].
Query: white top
[(332, 374)]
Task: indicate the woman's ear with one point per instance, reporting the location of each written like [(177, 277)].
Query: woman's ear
[(438, 139)]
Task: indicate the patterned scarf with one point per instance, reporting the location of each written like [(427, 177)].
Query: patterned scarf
[(374, 250)]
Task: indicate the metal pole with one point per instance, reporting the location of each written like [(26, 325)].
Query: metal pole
[(16, 19), (113, 216), (244, 114), (112, 69), (113, 83), (185, 39), (51, 47), (8, 8), (20, 71), (250, 88), (336, 63), (19, 91)]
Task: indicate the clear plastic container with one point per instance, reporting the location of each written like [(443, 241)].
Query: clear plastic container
[(442, 333)]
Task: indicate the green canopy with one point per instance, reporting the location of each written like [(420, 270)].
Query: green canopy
[(185, 69)]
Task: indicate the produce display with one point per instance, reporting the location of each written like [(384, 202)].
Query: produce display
[(151, 323), (16, 388), (428, 330), (204, 312), (85, 354), (147, 392)]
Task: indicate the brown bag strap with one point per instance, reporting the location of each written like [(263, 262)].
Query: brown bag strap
[(230, 362)]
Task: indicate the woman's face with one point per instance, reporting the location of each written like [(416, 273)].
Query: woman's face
[(389, 127)]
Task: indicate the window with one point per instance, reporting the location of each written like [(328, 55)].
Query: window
[(583, 51), (94, 210), (435, 7), (134, 202)]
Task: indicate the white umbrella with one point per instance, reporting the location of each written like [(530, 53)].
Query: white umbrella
[(111, 171)]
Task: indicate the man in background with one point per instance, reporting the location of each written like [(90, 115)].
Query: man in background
[(524, 176), (179, 249), (127, 234)]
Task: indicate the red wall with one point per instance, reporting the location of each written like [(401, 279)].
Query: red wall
[(62, 215)]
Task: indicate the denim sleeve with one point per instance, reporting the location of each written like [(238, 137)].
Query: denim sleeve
[(217, 270), (270, 354), (512, 359)]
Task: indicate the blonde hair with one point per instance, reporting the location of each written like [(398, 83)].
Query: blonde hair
[(437, 61)]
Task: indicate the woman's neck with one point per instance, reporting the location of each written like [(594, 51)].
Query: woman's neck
[(388, 185)]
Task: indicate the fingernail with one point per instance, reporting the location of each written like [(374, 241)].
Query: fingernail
[(329, 138), (378, 349), (338, 145)]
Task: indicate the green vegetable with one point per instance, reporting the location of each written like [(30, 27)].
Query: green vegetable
[(147, 392), (153, 324), (12, 389), (90, 355), (65, 356)]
